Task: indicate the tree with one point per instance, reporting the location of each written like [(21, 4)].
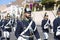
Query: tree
[(47, 1), (58, 2), (49, 4)]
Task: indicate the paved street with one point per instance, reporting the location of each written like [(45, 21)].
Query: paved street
[(12, 37), (41, 34)]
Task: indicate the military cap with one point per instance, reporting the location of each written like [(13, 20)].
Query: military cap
[(27, 10)]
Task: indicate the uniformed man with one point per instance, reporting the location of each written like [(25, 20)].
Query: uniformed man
[(26, 29), (56, 26), (45, 26), (13, 22), (7, 27), (0, 27)]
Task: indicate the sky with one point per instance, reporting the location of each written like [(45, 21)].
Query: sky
[(2, 2)]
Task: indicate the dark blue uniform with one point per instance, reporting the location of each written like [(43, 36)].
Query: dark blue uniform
[(9, 25), (6, 28), (21, 27), (45, 27), (13, 22), (43, 23), (0, 27), (56, 23)]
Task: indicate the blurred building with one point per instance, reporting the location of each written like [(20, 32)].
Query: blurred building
[(2, 7), (17, 2)]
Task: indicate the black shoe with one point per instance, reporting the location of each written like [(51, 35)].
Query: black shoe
[(2, 38), (8, 38), (45, 39)]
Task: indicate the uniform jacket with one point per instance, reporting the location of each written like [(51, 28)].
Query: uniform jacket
[(56, 23), (43, 23), (24, 24)]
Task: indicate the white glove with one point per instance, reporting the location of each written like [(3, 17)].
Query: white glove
[(39, 39), (57, 33)]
